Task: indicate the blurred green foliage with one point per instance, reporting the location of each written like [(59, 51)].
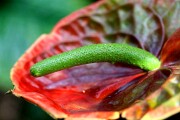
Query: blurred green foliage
[(22, 22)]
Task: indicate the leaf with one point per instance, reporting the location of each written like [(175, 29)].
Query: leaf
[(165, 101), (171, 53), (160, 105), (99, 87), (122, 23)]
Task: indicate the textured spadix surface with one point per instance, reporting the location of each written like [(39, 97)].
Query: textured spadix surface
[(104, 90)]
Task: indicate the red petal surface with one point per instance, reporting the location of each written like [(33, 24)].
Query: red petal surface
[(90, 88), (165, 101), (98, 90), (159, 105), (171, 50)]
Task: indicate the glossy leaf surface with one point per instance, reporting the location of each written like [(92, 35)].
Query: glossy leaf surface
[(99, 90), (165, 101)]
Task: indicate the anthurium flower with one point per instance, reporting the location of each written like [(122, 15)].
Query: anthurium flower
[(104, 90)]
